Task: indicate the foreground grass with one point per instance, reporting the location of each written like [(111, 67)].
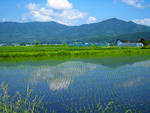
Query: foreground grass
[(17, 104), (54, 51)]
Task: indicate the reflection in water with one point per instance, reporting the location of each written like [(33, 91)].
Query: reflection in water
[(142, 64), (59, 83), (72, 86), (60, 76), (133, 83)]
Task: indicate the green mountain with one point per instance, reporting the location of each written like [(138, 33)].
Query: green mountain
[(30, 32), (130, 36), (134, 36), (52, 32)]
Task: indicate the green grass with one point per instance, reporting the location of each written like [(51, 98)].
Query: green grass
[(146, 47), (18, 104), (64, 51)]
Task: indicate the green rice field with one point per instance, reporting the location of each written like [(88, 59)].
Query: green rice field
[(62, 51)]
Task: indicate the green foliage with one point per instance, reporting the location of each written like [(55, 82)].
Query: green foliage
[(17, 104), (65, 44), (37, 43), (145, 41), (23, 44)]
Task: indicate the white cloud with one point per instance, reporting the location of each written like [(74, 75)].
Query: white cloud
[(135, 3), (91, 20), (32, 6), (59, 4), (62, 13), (40, 17), (38, 13), (72, 14), (145, 21), (4, 20)]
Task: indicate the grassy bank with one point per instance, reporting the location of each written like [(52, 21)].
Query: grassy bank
[(64, 51)]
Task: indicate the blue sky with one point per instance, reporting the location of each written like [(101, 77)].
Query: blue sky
[(75, 12)]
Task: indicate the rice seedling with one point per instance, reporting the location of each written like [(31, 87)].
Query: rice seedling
[(93, 93), (18, 103), (128, 111), (107, 107)]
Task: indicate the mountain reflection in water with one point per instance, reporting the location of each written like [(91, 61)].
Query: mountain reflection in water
[(61, 75), (125, 81)]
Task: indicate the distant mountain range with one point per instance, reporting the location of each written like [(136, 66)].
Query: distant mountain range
[(52, 32)]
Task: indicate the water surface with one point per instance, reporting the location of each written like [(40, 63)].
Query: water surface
[(81, 85)]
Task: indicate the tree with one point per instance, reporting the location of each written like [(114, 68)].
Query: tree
[(144, 41), (23, 44), (37, 43), (65, 44)]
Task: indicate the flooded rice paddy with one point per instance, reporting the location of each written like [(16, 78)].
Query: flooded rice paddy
[(92, 85)]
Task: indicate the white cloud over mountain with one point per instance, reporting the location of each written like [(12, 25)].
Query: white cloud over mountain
[(63, 12), (145, 21), (60, 11), (91, 20), (4, 20)]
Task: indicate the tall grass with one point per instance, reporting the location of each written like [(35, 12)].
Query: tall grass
[(19, 104), (27, 104)]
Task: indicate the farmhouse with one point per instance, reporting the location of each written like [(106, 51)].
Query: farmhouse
[(124, 43)]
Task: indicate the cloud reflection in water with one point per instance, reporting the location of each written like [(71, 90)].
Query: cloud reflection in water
[(60, 76)]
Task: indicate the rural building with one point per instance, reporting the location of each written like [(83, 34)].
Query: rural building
[(102, 44), (80, 44), (123, 43), (3, 44)]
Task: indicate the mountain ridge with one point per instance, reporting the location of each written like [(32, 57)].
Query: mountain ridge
[(53, 32)]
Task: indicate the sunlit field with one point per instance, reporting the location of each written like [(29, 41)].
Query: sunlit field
[(52, 51)]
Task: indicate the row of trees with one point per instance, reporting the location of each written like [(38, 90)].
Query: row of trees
[(143, 40), (146, 42), (36, 43)]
